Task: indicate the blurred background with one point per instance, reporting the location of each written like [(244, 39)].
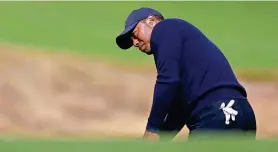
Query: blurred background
[(62, 74)]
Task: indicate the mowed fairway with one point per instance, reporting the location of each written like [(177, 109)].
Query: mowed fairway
[(245, 31)]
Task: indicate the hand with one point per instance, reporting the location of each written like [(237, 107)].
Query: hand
[(151, 136)]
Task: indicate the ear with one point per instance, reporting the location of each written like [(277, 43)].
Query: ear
[(151, 20)]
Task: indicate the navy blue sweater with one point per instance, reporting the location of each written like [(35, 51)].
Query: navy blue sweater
[(190, 68)]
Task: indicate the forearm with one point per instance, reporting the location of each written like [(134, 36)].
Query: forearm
[(164, 94)]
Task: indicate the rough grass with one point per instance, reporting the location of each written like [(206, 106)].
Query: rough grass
[(134, 146)]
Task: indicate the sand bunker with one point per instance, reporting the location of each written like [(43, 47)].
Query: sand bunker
[(69, 95)]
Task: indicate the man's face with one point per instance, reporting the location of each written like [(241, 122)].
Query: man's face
[(141, 35)]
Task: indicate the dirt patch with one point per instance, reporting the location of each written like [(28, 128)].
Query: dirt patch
[(69, 95)]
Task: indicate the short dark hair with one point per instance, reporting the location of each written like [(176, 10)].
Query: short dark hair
[(159, 17)]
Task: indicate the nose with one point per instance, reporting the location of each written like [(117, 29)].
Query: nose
[(135, 43)]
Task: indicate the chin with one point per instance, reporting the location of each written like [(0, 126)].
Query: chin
[(149, 53), (146, 52)]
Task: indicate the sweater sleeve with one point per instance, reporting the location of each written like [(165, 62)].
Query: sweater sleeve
[(168, 56)]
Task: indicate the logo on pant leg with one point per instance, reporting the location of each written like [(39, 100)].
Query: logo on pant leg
[(229, 112)]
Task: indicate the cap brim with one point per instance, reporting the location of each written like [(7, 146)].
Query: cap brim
[(124, 40)]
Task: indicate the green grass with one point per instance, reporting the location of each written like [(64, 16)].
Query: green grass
[(245, 31), (134, 146)]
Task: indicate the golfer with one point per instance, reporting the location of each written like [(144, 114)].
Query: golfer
[(195, 84)]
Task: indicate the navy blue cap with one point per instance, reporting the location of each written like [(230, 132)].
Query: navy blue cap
[(124, 39)]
